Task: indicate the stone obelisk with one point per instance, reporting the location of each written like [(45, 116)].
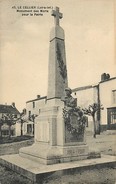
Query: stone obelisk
[(57, 71), (51, 145)]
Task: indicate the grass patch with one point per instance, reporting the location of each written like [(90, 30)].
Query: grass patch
[(5, 140)]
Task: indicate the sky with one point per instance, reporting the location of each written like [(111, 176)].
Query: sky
[(89, 27)]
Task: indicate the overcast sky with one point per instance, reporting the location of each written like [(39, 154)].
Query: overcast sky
[(24, 49)]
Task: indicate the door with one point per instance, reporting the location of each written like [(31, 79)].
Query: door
[(111, 118)]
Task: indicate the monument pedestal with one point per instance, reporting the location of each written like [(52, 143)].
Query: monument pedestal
[(50, 145), (46, 154)]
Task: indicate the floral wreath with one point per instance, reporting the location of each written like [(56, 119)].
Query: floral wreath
[(79, 127)]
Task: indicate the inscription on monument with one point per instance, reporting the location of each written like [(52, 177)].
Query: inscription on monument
[(43, 134), (76, 152)]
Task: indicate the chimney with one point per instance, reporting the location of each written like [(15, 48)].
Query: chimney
[(105, 76), (38, 96), (13, 104), (24, 111)]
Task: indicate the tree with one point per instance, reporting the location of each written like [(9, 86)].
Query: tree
[(91, 111), (10, 120), (1, 123), (22, 119), (32, 118)]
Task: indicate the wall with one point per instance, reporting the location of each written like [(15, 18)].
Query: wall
[(17, 129), (13, 148), (106, 97), (38, 104), (85, 96), (24, 128)]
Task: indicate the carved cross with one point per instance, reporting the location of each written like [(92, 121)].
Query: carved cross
[(57, 15)]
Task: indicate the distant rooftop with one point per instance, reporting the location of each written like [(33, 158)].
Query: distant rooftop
[(82, 88), (91, 86), (74, 90), (40, 98), (8, 109), (108, 80)]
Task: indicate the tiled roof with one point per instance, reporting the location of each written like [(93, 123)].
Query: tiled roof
[(43, 97), (91, 86), (82, 88), (108, 80), (8, 109)]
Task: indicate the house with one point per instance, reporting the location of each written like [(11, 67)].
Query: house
[(31, 111), (86, 95), (103, 93), (9, 112), (107, 95)]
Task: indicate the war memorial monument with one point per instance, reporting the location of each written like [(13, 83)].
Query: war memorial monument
[(60, 138), (59, 128)]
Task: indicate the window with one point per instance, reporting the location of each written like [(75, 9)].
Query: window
[(29, 113), (113, 117), (5, 132), (114, 96), (29, 128), (33, 104)]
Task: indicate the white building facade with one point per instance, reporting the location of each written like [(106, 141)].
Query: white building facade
[(107, 91), (103, 93), (32, 111)]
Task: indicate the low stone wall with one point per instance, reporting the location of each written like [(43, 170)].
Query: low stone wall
[(13, 148)]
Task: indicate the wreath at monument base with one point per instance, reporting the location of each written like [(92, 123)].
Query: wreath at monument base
[(74, 120)]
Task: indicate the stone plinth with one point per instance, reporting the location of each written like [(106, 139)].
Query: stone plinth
[(50, 145), (46, 154)]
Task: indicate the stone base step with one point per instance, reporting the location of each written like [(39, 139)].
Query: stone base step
[(37, 172)]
